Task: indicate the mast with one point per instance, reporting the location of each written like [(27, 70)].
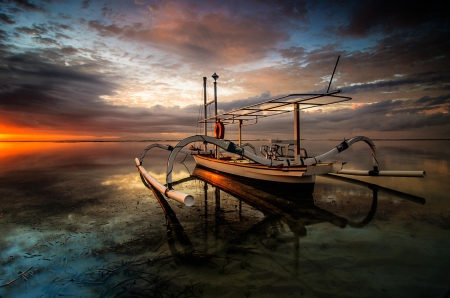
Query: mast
[(205, 105), (215, 77)]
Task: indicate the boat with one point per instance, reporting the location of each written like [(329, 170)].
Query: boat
[(282, 161)]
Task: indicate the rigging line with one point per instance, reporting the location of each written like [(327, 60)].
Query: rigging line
[(329, 85)]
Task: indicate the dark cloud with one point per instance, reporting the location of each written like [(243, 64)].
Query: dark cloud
[(26, 5), (236, 104), (7, 19), (389, 16), (383, 116), (295, 53), (45, 40), (85, 4), (57, 27), (69, 51), (436, 101), (286, 12), (110, 30), (3, 35), (212, 37), (35, 30), (423, 80), (59, 35), (388, 115)]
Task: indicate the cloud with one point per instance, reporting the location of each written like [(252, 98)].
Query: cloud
[(211, 37), (389, 16), (385, 116), (3, 36), (6, 19), (236, 104), (45, 40), (35, 30), (85, 4), (422, 79), (26, 5), (40, 95), (67, 99)]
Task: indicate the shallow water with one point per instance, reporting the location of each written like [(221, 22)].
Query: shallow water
[(76, 220)]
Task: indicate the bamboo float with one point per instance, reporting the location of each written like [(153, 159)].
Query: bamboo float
[(419, 174), (186, 199)]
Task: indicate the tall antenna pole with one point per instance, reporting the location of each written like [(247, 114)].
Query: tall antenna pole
[(215, 77), (333, 73)]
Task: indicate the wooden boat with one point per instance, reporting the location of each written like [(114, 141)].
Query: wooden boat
[(283, 161), (253, 170)]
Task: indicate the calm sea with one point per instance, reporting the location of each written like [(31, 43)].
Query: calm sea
[(76, 220)]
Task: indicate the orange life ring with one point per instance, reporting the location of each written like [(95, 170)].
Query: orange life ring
[(219, 130)]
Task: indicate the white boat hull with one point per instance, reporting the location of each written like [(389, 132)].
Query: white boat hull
[(291, 174)]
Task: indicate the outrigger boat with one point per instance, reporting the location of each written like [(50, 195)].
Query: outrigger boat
[(282, 161)]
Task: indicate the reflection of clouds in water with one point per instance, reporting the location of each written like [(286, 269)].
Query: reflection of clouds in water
[(133, 181), (123, 182)]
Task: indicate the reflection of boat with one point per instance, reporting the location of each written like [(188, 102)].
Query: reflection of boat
[(295, 210), (283, 161)]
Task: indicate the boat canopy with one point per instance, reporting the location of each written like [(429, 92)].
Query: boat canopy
[(276, 106)]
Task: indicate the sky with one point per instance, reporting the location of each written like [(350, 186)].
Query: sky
[(133, 69)]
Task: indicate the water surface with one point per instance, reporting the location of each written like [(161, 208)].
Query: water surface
[(76, 220)]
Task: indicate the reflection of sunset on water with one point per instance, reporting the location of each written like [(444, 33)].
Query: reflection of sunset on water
[(13, 149)]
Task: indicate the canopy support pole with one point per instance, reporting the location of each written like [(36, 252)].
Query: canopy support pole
[(297, 132), (240, 132), (215, 105)]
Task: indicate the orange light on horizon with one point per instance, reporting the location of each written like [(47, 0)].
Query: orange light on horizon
[(42, 137), (8, 133)]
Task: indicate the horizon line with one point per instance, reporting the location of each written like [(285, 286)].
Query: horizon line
[(177, 140)]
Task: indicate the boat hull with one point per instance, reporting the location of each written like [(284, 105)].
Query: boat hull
[(292, 174)]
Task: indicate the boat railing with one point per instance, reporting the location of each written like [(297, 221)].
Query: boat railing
[(277, 152)]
